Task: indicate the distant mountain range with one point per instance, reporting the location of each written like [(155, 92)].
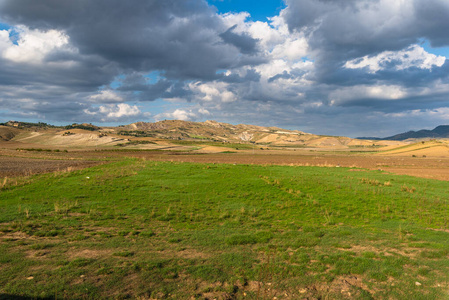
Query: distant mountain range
[(439, 132)]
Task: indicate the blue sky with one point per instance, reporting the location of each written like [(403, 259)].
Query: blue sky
[(353, 68), (259, 10), (435, 50)]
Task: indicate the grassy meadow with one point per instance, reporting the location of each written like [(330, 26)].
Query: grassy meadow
[(162, 230)]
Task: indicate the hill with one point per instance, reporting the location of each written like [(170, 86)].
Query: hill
[(439, 132), (173, 133), (7, 133), (212, 131)]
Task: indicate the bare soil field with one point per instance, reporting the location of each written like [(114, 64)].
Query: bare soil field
[(22, 162), (434, 168), (16, 163), (18, 166)]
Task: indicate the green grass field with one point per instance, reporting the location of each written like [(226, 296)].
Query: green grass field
[(161, 230)]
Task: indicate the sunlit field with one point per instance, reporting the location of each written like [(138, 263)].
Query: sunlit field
[(154, 230)]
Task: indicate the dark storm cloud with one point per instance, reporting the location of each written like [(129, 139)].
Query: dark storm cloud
[(397, 106), (118, 55), (45, 109), (339, 31), (110, 39), (250, 76), (244, 42), (415, 77), (52, 91), (432, 21), (84, 75), (142, 89), (179, 37), (139, 83), (283, 75), (411, 77), (366, 27)]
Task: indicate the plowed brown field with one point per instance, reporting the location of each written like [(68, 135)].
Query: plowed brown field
[(18, 166), (16, 163)]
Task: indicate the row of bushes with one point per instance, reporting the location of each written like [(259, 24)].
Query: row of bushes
[(40, 150)]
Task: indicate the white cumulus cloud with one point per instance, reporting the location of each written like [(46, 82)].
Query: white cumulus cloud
[(212, 92), (178, 114), (414, 56), (32, 46), (385, 92), (115, 112), (119, 110), (106, 96)]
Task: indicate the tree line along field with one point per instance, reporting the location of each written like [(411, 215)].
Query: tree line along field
[(144, 229)]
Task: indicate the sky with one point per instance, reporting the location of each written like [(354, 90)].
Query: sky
[(343, 67)]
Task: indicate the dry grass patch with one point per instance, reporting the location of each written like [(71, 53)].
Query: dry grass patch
[(88, 253)]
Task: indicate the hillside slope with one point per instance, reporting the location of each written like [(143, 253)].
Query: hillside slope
[(439, 132), (7, 133), (212, 131), (175, 133)]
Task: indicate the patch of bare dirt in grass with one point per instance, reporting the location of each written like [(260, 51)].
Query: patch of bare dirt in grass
[(405, 251), (126, 289), (263, 290), (40, 269), (345, 286), (77, 214), (360, 249), (442, 284), (37, 254), (98, 230), (81, 279), (16, 235), (216, 290), (439, 229), (131, 284), (88, 253), (219, 294), (191, 254)]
